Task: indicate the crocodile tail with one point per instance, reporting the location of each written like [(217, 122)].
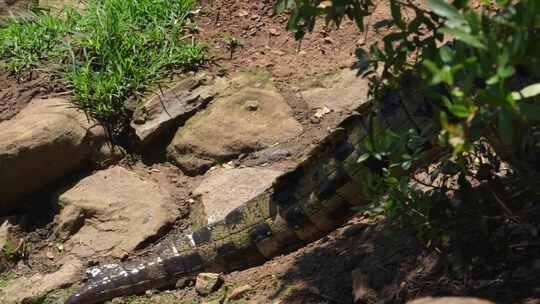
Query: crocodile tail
[(114, 280), (302, 206)]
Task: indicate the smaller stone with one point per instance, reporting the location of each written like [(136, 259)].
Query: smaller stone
[(274, 154), (7, 230), (251, 105), (243, 13), (361, 289), (273, 31), (151, 292), (207, 283), (450, 300), (278, 52), (239, 292), (107, 154), (319, 114), (351, 230), (183, 283)]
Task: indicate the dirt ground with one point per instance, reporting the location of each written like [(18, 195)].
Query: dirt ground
[(392, 270)]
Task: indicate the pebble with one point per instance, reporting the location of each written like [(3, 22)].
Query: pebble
[(239, 292), (207, 283)]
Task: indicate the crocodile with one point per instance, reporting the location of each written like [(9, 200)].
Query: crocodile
[(303, 205)]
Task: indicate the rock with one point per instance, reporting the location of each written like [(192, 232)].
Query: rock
[(34, 288), (107, 154), (60, 4), (168, 109), (273, 154), (351, 230), (343, 91), (183, 283), (14, 7), (59, 296), (239, 292), (361, 289), (8, 228), (249, 116), (251, 105), (207, 283), (46, 141), (449, 300), (243, 13), (319, 114), (223, 190), (112, 212)]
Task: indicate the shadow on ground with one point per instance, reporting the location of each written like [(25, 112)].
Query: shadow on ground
[(492, 257)]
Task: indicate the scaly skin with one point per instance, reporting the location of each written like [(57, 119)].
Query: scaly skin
[(301, 207)]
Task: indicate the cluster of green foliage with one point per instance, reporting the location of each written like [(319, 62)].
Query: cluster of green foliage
[(479, 69), (231, 43), (114, 51), (13, 252)]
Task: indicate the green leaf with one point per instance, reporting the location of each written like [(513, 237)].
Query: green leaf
[(527, 92), (530, 110), (446, 54), (460, 111), (492, 80), (450, 168), (358, 15), (463, 36), (385, 23), (505, 129), (406, 165), (505, 71), (363, 158), (403, 184), (396, 14), (292, 24), (362, 62), (444, 9), (282, 5)]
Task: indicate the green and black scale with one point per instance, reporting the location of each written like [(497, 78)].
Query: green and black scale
[(302, 206)]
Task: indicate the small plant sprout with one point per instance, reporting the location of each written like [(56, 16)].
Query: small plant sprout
[(231, 43)]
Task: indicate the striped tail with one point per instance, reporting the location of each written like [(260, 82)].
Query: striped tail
[(302, 206)]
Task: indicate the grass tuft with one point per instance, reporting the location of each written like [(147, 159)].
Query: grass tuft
[(115, 51)]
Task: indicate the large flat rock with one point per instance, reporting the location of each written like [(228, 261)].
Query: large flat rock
[(223, 190), (46, 141), (249, 116), (340, 91), (33, 289), (450, 300), (112, 212), (167, 109)]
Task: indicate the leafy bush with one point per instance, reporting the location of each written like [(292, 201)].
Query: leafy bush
[(478, 69), (116, 50)]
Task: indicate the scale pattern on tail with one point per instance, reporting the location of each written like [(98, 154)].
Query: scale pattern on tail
[(302, 206)]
